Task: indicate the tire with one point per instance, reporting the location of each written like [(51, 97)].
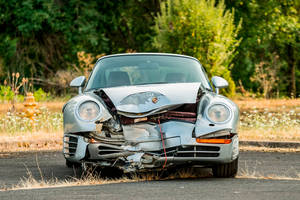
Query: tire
[(70, 164), (226, 170)]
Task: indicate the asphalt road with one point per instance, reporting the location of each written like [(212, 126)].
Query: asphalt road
[(14, 167)]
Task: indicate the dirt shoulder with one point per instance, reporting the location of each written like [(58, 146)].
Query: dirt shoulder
[(280, 105)]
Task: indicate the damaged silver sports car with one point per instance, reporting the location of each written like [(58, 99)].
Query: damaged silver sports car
[(151, 111)]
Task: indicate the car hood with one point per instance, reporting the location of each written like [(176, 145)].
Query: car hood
[(146, 98)]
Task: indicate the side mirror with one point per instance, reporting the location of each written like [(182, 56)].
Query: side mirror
[(218, 83), (78, 82)]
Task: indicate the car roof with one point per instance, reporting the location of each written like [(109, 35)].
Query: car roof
[(147, 54)]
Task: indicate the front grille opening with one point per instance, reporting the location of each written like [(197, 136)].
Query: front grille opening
[(197, 154), (107, 150), (189, 151), (186, 113), (198, 151), (199, 148), (70, 145)]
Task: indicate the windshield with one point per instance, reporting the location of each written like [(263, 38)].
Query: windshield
[(135, 69)]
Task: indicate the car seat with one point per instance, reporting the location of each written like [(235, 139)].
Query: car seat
[(175, 77), (118, 78)]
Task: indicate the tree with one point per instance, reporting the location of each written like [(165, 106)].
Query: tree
[(43, 36), (132, 30), (203, 29), (40, 37), (270, 27)]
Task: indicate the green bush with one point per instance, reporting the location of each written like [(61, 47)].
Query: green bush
[(40, 95), (202, 29), (6, 94), (19, 98)]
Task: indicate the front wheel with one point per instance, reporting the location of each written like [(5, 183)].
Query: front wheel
[(226, 170)]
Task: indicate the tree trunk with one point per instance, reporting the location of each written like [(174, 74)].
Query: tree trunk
[(293, 80), (292, 69)]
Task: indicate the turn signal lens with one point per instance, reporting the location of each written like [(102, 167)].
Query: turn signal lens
[(214, 141), (92, 140)]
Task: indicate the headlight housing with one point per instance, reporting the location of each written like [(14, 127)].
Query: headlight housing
[(218, 113), (88, 111)]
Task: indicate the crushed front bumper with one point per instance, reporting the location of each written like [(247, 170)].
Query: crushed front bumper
[(129, 158)]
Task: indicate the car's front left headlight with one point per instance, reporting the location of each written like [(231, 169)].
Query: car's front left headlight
[(88, 111), (218, 113)]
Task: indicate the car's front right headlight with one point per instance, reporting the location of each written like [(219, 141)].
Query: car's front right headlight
[(218, 113), (88, 111)]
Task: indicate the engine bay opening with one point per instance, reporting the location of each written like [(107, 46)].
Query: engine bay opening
[(169, 115)]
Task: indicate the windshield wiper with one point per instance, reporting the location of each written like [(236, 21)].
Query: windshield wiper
[(92, 89)]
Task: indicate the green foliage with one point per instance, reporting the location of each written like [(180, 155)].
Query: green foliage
[(42, 37), (132, 31), (6, 94), (202, 29), (40, 95), (270, 27)]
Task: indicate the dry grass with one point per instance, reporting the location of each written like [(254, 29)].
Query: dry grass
[(94, 178), (32, 136), (268, 177), (18, 133), (36, 141), (268, 149), (52, 106), (252, 173), (286, 134), (270, 104), (31, 183), (181, 173), (282, 124)]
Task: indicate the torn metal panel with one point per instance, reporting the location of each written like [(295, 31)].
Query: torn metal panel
[(217, 134), (146, 136), (131, 161), (139, 99), (152, 112), (167, 115), (143, 138), (182, 129)]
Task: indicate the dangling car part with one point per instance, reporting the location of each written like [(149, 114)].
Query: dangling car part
[(150, 111)]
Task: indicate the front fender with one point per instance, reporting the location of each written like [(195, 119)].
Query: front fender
[(72, 123), (205, 126)]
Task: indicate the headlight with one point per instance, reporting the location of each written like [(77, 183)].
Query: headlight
[(218, 113), (89, 111)]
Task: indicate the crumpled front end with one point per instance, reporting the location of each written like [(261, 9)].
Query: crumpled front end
[(150, 145), (164, 136)]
